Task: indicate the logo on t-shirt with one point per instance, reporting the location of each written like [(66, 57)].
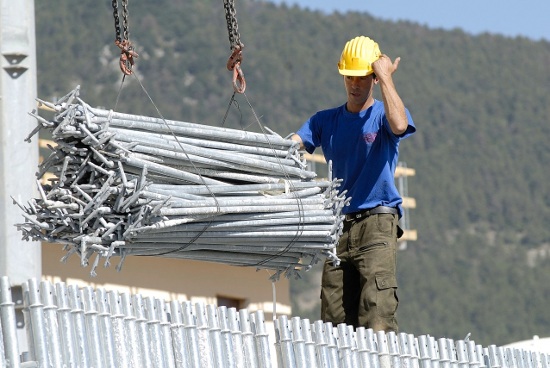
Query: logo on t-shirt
[(369, 137)]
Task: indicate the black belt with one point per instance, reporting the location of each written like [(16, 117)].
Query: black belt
[(372, 211)]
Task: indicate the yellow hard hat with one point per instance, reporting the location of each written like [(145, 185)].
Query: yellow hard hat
[(357, 57)]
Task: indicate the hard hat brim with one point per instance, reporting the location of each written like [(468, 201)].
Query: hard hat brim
[(354, 73)]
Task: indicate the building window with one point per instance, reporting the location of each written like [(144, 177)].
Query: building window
[(229, 302)]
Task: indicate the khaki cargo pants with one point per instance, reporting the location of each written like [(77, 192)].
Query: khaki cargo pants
[(362, 290)]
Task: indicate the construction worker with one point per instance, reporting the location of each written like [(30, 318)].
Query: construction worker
[(361, 138)]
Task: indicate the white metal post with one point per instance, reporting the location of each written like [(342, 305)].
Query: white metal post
[(19, 260)]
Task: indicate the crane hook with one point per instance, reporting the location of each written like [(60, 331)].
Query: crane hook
[(234, 64), (127, 55)]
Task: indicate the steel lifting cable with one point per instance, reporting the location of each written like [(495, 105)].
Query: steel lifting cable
[(127, 55), (300, 229), (234, 61), (239, 86), (201, 178)]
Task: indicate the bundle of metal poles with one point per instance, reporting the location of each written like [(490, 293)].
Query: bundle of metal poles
[(136, 185)]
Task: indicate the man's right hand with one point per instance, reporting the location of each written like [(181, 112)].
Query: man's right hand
[(297, 138)]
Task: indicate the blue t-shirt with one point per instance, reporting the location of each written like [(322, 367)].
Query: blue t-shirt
[(363, 150)]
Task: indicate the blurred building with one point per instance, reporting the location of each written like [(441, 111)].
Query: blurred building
[(536, 344)]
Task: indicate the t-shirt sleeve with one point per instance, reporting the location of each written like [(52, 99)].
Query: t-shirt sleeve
[(411, 128), (310, 135)]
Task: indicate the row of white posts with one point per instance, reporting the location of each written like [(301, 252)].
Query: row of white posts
[(71, 326)]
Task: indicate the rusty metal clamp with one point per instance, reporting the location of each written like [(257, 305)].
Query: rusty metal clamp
[(127, 55), (234, 64)]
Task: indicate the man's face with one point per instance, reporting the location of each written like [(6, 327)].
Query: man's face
[(359, 91)]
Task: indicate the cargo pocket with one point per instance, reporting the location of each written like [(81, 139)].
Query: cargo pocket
[(400, 232), (386, 295)]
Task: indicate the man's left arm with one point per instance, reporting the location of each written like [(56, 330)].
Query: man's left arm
[(393, 105)]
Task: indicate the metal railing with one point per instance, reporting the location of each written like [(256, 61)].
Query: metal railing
[(71, 326)]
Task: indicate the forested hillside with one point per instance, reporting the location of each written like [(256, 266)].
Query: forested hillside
[(481, 104)]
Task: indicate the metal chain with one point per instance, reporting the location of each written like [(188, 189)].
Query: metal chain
[(117, 21), (232, 26), (125, 19)]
